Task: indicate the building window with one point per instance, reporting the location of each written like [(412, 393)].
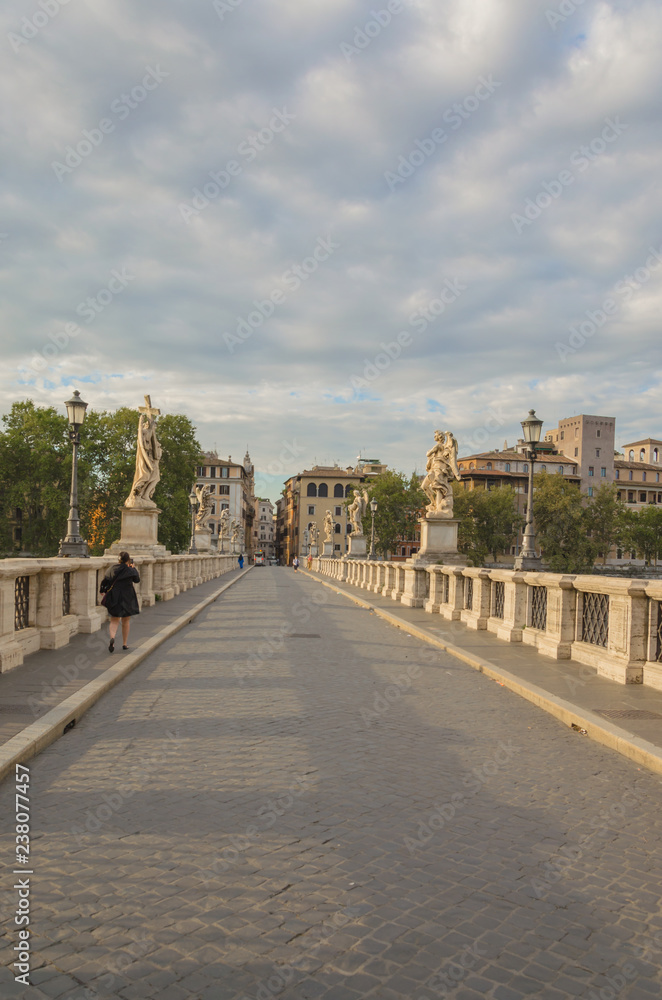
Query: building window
[(597, 453), (590, 470), (617, 474), (630, 496), (642, 455), (201, 472), (225, 490), (642, 498), (507, 466), (472, 466), (323, 490), (643, 477), (336, 528), (590, 491), (560, 470), (347, 489), (336, 548), (212, 472), (338, 511), (225, 472), (311, 508), (562, 435), (544, 468), (349, 529), (489, 465), (225, 506), (630, 474), (338, 490), (312, 490), (576, 452), (603, 472), (631, 456), (598, 433), (525, 467), (655, 455)]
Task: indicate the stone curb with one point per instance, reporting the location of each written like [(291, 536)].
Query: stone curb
[(633, 747), (37, 736)]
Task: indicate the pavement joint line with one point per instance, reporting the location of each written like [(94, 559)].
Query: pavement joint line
[(635, 748), (38, 735)]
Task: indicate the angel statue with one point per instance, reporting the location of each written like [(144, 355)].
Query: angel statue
[(148, 456), (223, 525), (328, 526), (440, 470), (356, 511), (203, 493), (236, 531)]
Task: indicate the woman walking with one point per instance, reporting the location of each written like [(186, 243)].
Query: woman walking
[(121, 600)]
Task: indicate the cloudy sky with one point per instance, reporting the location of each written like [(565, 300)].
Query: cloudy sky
[(326, 227)]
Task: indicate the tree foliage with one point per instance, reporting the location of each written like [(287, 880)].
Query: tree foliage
[(400, 503), (607, 517), (642, 533), (489, 521), (35, 477), (563, 525)]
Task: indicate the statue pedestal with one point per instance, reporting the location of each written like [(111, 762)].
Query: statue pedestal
[(438, 541), (140, 533), (313, 551), (357, 547), (328, 549), (203, 539)]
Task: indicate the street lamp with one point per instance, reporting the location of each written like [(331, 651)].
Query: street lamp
[(527, 559), (194, 506), (72, 544), (373, 511)]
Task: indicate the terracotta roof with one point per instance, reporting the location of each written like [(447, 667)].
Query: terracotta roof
[(516, 456), (620, 464)]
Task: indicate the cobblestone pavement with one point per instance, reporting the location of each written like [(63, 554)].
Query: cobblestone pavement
[(293, 798)]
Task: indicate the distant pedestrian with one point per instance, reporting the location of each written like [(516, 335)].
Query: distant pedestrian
[(121, 600), (295, 563), (240, 560)]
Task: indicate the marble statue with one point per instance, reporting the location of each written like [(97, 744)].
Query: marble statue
[(148, 456), (314, 534), (224, 524), (203, 494), (236, 530), (328, 526), (440, 470), (356, 511)]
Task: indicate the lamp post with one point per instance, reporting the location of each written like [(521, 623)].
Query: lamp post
[(194, 506), (72, 544), (527, 559), (373, 511)]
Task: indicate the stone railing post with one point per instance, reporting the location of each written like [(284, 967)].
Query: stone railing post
[(508, 595), (433, 603), (415, 588), (476, 617)]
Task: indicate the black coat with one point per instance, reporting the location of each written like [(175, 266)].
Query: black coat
[(121, 601)]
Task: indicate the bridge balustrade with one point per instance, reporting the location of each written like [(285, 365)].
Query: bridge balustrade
[(611, 624), (44, 602)]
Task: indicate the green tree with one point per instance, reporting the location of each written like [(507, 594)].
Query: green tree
[(642, 533), (35, 477), (606, 518), (489, 521), (400, 502), (563, 525)]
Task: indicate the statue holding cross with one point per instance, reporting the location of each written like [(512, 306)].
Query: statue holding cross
[(148, 456)]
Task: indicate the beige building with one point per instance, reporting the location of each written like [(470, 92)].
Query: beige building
[(637, 472), (231, 485), (589, 440), (264, 528), (306, 499)]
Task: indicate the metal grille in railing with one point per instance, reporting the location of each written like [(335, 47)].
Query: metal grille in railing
[(21, 602), (498, 598), (446, 588), (468, 593), (539, 608), (658, 645), (595, 619), (66, 594)]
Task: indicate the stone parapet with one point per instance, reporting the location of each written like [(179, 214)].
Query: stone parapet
[(613, 625), (44, 602)]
